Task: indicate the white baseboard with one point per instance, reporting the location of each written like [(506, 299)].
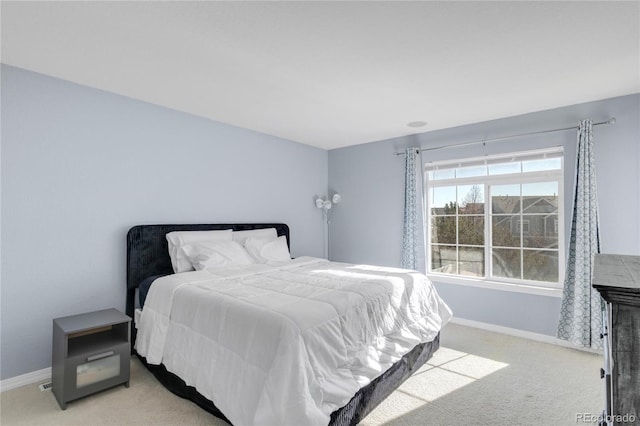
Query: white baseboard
[(45, 374), (39, 376), (544, 338)]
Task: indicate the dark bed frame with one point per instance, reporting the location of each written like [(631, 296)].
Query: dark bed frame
[(148, 255)]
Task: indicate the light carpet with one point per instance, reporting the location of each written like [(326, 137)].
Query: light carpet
[(475, 378)]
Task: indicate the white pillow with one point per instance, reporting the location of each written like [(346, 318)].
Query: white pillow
[(266, 251), (177, 239), (266, 233), (216, 254)]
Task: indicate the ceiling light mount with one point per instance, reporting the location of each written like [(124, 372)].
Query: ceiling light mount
[(416, 124)]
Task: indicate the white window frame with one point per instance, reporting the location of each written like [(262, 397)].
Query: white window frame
[(489, 281)]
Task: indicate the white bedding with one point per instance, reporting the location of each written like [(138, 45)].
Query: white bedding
[(286, 344)]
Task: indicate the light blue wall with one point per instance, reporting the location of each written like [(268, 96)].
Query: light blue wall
[(81, 166), (367, 226)]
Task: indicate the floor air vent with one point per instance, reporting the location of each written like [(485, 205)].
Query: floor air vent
[(45, 386)]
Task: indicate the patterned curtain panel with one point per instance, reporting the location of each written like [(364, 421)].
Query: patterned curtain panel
[(409, 234), (581, 311)]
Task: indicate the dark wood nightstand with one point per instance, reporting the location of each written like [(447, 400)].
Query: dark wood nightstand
[(91, 352)]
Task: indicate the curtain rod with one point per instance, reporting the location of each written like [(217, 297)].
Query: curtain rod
[(612, 120)]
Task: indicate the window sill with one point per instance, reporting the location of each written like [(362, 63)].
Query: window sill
[(496, 285)]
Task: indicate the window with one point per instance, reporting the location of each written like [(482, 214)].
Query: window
[(525, 226), (497, 218)]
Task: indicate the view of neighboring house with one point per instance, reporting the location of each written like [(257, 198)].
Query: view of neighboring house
[(524, 237)]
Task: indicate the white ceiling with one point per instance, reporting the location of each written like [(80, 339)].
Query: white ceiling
[(333, 74)]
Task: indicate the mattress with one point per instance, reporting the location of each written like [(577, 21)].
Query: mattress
[(288, 343)]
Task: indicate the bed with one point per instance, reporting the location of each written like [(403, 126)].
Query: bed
[(147, 256)]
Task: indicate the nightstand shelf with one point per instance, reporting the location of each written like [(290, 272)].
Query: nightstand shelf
[(91, 352)]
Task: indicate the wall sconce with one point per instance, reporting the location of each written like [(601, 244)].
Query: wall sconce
[(325, 205)]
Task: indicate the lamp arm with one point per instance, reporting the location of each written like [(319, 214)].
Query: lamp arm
[(326, 204), (327, 215)]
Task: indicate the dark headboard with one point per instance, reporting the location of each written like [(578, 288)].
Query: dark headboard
[(148, 254)]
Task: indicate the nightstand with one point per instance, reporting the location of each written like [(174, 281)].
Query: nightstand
[(91, 352)]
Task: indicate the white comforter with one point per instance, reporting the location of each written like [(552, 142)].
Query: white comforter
[(286, 344)]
